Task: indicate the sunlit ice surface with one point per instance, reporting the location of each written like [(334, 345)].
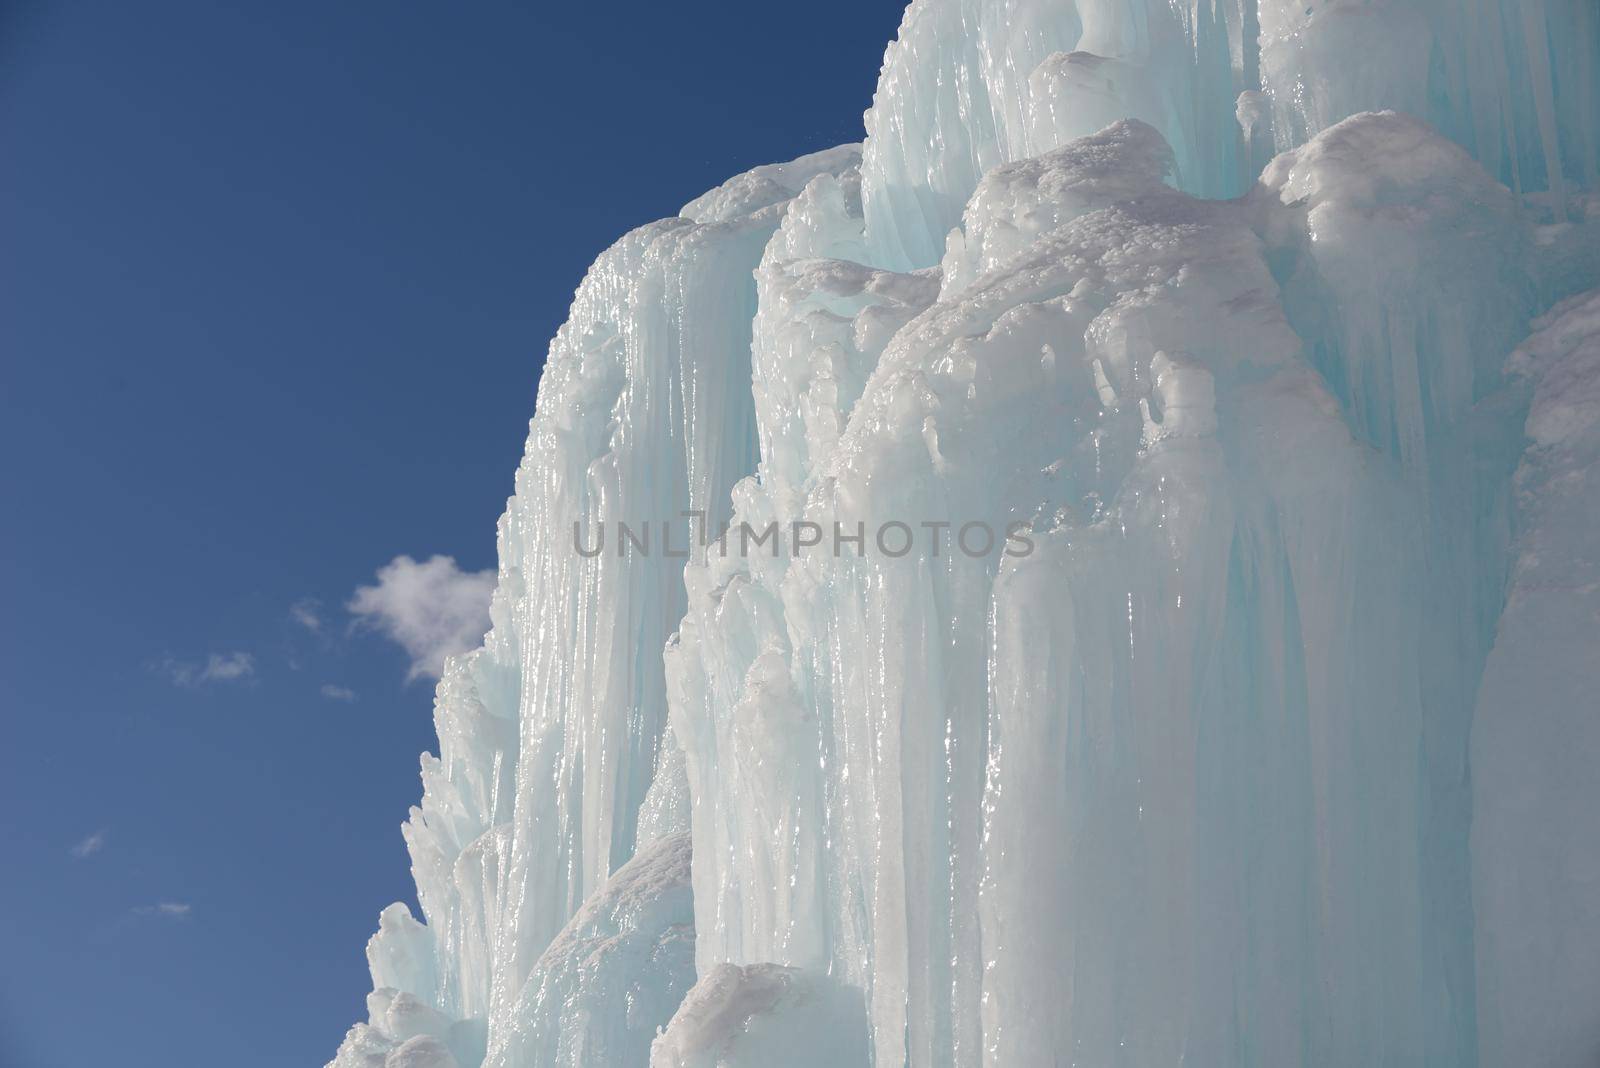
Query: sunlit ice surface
[(1272, 328)]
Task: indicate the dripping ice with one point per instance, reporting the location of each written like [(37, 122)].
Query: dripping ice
[(1277, 325)]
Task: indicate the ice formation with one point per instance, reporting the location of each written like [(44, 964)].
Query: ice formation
[(1267, 333)]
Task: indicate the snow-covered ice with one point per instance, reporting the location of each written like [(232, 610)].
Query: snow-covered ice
[(1536, 736), (1270, 331), (615, 974), (766, 1014)]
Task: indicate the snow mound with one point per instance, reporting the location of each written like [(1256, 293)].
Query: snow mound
[(764, 1014)]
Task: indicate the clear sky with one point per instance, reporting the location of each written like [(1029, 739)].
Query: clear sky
[(275, 284)]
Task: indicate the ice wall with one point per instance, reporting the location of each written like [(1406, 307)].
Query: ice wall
[(1228, 754), (1512, 80), (615, 974), (549, 734), (970, 84), (1536, 740), (974, 83), (641, 415), (1215, 681)]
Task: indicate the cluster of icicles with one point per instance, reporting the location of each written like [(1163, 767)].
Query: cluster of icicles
[(1273, 324)]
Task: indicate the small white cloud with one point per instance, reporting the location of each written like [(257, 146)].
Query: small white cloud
[(338, 693), (432, 609), (89, 846), (308, 613), (219, 667), (181, 672), (172, 910), (229, 667)]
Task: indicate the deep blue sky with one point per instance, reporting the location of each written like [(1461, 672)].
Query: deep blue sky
[(275, 284)]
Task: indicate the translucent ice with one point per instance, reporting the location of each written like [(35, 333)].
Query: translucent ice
[(1106, 720), (763, 1014), (614, 975), (1265, 738), (1536, 738)]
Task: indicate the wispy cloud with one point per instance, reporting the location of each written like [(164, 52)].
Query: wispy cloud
[(338, 693), (172, 910), (219, 667), (229, 667), (89, 846), (308, 613), (432, 609)]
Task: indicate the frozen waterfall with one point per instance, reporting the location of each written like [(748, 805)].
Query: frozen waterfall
[(1266, 336)]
